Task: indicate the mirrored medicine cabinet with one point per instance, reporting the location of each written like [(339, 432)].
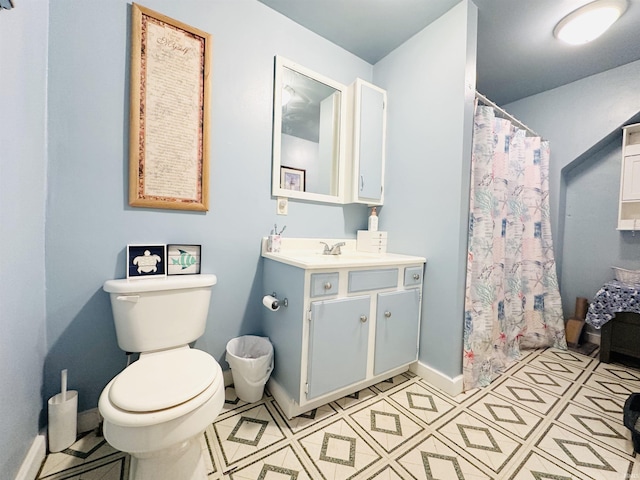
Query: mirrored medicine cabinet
[(309, 131), (328, 139)]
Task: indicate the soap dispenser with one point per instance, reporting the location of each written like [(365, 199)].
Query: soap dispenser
[(373, 220)]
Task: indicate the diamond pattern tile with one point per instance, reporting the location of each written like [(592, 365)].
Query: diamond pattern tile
[(244, 434), (433, 459), (558, 367), (507, 414), (596, 427), (620, 373), (527, 395), (584, 455), (487, 444), (422, 402), (600, 402), (536, 467), (388, 426), (568, 358), (609, 386), (338, 451), (554, 415), (543, 380), (282, 464)]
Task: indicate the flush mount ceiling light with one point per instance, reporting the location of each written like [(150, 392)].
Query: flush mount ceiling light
[(589, 21), (287, 94)]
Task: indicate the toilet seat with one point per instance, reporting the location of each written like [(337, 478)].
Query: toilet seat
[(162, 380), (125, 419)]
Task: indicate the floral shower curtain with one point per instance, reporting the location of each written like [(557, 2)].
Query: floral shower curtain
[(512, 298)]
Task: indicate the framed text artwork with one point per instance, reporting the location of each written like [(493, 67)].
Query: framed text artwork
[(169, 113)]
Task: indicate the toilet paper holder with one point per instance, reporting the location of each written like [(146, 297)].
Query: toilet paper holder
[(280, 303)]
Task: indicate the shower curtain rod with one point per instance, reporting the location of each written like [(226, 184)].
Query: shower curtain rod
[(510, 117)]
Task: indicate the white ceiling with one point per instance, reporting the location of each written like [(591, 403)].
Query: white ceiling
[(517, 53)]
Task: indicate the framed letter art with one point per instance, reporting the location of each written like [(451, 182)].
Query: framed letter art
[(169, 113)]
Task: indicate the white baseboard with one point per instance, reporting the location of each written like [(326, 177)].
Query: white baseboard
[(451, 386), (33, 460), (593, 337), (87, 420)]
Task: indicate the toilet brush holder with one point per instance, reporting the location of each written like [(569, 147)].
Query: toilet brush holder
[(63, 420)]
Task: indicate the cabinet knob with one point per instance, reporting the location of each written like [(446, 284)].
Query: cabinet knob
[(416, 276), (327, 286), (387, 314), (363, 318)]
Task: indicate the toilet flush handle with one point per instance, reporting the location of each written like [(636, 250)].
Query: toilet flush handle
[(128, 298)]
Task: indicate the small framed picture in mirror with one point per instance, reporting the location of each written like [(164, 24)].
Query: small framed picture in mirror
[(292, 179)]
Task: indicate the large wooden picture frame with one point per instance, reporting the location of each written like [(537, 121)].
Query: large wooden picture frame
[(169, 113)]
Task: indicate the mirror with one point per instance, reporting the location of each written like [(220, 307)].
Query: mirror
[(309, 113)]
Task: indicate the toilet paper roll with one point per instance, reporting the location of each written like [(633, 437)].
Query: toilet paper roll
[(271, 303)]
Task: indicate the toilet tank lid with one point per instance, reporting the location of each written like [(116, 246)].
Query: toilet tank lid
[(171, 282)]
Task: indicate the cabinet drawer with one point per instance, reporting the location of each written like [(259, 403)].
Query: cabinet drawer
[(367, 235), (413, 275), (362, 280), (371, 241), (324, 284)]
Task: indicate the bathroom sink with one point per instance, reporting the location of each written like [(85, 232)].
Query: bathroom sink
[(308, 253)]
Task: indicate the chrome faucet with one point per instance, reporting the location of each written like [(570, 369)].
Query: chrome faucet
[(333, 250)]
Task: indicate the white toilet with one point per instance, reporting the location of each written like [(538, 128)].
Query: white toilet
[(157, 408)]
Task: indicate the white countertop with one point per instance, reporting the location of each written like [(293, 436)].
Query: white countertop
[(307, 253)]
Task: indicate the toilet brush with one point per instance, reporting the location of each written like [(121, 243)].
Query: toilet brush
[(63, 384)]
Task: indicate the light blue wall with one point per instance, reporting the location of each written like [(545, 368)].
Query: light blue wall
[(430, 81), (592, 243), (89, 222), (582, 121), (23, 62)]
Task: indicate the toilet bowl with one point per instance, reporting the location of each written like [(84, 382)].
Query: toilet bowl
[(157, 408)]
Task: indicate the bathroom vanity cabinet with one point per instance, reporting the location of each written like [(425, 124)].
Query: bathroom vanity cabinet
[(629, 207), (348, 324)]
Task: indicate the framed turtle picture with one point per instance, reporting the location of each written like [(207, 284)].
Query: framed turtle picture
[(183, 259), (145, 261)]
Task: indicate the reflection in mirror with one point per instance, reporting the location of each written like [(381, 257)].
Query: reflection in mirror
[(308, 134)]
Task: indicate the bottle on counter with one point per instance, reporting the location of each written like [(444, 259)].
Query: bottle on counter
[(373, 220)]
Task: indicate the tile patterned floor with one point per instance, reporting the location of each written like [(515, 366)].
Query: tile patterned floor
[(554, 415)]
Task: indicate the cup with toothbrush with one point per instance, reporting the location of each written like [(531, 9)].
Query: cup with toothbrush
[(274, 239)]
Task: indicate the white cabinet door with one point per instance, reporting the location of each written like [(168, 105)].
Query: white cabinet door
[(631, 178), (338, 340)]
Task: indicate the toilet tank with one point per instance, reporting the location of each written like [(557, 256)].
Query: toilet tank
[(158, 313)]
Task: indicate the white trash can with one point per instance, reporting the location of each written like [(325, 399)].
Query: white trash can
[(251, 361)]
